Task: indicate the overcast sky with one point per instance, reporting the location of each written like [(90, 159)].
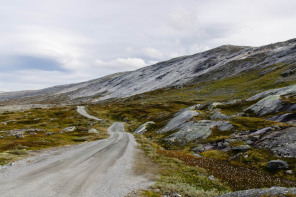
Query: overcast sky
[(51, 42)]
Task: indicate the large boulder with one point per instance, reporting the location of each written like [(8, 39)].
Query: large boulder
[(143, 128), (180, 120), (277, 165), (199, 130)]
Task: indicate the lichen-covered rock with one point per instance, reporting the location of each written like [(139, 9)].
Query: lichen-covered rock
[(277, 165), (180, 120), (216, 114), (199, 130), (143, 128), (269, 104)]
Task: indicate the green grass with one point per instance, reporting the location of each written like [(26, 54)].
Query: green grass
[(252, 123)]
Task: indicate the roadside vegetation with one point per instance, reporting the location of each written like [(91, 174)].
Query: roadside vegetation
[(37, 129), (178, 177)]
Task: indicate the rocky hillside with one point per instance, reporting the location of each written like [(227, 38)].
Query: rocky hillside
[(218, 63)]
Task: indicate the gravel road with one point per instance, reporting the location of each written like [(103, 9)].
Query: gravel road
[(100, 168), (82, 111)]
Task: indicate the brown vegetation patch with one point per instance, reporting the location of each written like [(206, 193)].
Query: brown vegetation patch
[(237, 177)]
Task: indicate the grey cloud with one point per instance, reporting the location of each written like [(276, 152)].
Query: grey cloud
[(20, 62)]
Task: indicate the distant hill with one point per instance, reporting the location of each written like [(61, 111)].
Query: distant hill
[(217, 63)]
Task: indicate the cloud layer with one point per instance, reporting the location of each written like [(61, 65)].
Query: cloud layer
[(45, 43)]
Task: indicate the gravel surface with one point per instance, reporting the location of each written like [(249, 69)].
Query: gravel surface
[(100, 168), (82, 111)]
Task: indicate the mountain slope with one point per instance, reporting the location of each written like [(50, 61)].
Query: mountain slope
[(218, 63)]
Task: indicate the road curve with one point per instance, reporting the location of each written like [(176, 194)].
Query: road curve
[(100, 168), (82, 111)]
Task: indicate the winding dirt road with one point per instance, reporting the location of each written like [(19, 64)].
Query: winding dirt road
[(100, 168)]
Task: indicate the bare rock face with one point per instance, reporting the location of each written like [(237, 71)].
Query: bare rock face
[(180, 120), (199, 130), (282, 143)]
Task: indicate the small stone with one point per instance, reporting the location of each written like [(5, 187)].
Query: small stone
[(68, 129), (199, 148), (246, 156), (19, 136), (241, 148), (212, 178), (249, 142), (289, 172), (92, 131), (196, 155)]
